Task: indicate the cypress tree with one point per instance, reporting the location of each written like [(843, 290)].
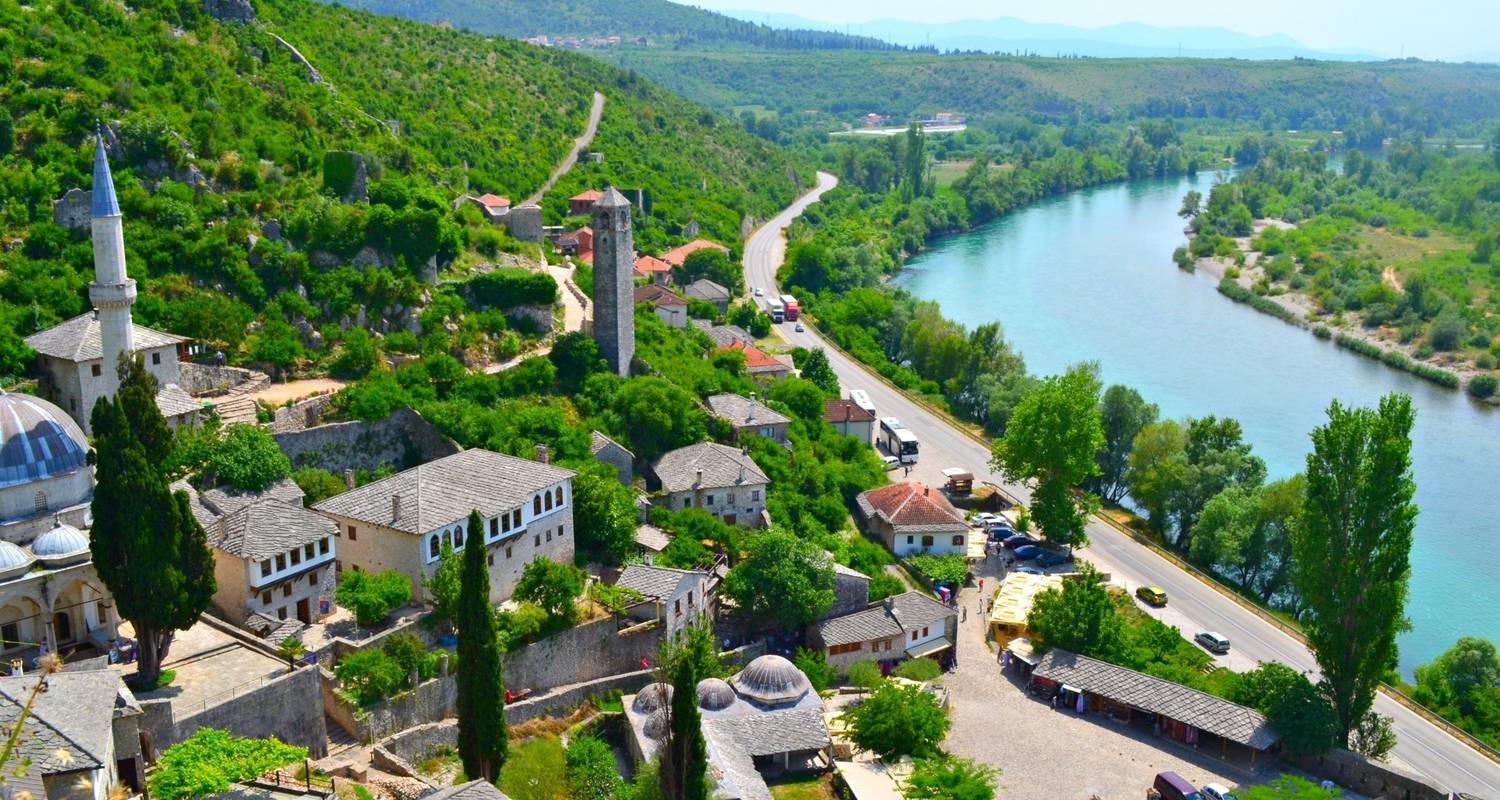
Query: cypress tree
[(482, 735), (684, 764), (147, 547)]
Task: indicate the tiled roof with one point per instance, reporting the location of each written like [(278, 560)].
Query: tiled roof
[(705, 289), (226, 499), (840, 410), (723, 334), (473, 790), (37, 440), (587, 196), (742, 412), (885, 619), (756, 360), (840, 569), (267, 527), (652, 538), (659, 295), (655, 583), (445, 490), (611, 198), (722, 467), (911, 505), (677, 255), (77, 339), (598, 441), (1138, 690), (69, 728), (493, 201), (174, 402), (774, 732), (649, 264), (733, 769)]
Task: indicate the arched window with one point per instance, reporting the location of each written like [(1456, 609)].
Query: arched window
[(434, 549), (558, 493), (547, 496), (448, 538), (536, 505), (458, 537)]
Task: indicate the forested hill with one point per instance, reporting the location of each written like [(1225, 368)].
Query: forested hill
[(215, 130), (1299, 93), (649, 19)]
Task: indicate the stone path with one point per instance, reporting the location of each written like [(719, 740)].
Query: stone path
[(595, 112)]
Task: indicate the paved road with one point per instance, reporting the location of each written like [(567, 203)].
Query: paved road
[(572, 157), (1194, 606)]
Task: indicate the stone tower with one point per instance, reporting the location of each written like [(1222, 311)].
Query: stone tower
[(614, 290), (112, 292)]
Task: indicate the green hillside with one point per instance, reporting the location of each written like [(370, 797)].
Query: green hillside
[(649, 19), (215, 129), (1319, 95)]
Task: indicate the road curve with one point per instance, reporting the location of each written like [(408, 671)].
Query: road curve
[(1421, 746)]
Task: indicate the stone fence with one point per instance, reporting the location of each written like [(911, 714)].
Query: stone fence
[(301, 415), (404, 438), (1368, 778), (286, 707), (209, 379), (580, 654)]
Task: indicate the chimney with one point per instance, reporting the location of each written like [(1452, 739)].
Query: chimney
[(223, 527), (742, 473), (751, 418), (890, 603), (395, 507), (541, 454), (349, 478), (700, 478)]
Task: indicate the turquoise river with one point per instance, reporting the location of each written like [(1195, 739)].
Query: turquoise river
[(1089, 276)]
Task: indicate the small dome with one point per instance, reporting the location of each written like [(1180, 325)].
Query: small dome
[(772, 680), (38, 440), (658, 725), (714, 694), (655, 697), (62, 543), (13, 560)]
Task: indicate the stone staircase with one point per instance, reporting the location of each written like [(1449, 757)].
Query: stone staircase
[(237, 405)]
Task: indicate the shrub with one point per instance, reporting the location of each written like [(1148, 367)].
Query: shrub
[(552, 586), (865, 674), (950, 568), (1485, 361), (918, 669), (373, 595), (511, 287), (369, 676), (211, 760), (1483, 386), (591, 770), (815, 666), (1447, 331), (317, 484), (247, 458), (898, 721)]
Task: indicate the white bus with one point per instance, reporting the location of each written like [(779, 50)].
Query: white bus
[(898, 440), (862, 399)]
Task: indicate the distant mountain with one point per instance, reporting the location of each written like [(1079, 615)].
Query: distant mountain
[(1011, 35), (649, 19)]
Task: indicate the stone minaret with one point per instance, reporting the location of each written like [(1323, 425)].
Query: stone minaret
[(112, 292), (614, 290)]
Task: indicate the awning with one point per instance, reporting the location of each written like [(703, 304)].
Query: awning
[(1021, 648), (937, 645)]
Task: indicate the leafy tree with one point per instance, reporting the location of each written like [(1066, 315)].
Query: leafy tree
[(951, 778), (918, 669), (658, 416), (1288, 787), (533, 376), (211, 761), (372, 595), (592, 774), (1190, 204), (800, 396), (357, 356), (1215, 458), (576, 356), (614, 598), (1374, 738), (1297, 709), (552, 586), (445, 583), (247, 458), (714, 264), (603, 514), (146, 545), (1352, 552), (784, 579), (137, 397), (317, 485), (482, 736), (368, 676), (1158, 460), (815, 367), (898, 720), (1079, 617), (865, 674), (1463, 684), (815, 666), (291, 650), (916, 161), (684, 756), (1123, 413), (1246, 534), (1052, 438), (685, 552)]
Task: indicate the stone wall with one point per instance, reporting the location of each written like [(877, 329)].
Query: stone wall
[(287, 707), (202, 379), (579, 654), (301, 415), (524, 223), (336, 648), (564, 700), (540, 317), (431, 701), (404, 438), (1368, 778), (74, 209)]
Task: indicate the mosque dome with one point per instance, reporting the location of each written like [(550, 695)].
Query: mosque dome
[(13, 560), (714, 694), (61, 545), (654, 697), (658, 725), (38, 440), (771, 680)]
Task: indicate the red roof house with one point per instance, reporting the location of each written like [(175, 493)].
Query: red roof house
[(583, 202), (677, 255), (761, 366), (653, 269), (579, 244), (914, 518)]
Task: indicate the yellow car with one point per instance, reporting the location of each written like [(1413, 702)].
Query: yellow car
[(1152, 595)]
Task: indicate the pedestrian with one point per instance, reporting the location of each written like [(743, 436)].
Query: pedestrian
[(981, 584), (965, 615)]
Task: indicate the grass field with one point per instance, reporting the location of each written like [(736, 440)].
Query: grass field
[(535, 770), (810, 788)]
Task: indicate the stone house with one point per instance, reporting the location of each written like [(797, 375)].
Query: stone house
[(404, 521), (669, 308), (582, 204), (709, 292), (81, 738), (747, 415), (849, 419), (912, 518), (650, 541), (762, 367), (722, 334), (851, 590), (578, 245), (722, 480), (272, 557), (907, 625), (676, 597), (653, 270), (611, 452)]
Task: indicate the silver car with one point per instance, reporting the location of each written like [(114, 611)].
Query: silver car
[(1212, 642)]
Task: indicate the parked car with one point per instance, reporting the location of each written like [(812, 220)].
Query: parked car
[(891, 462), (1030, 570), (799, 327), (1212, 642), (1051, 558), (1026, 552), (758, 292), (1216, 791), (1018, 540), (998, 533), (1171, 786), (1152, 595), (985, 518)]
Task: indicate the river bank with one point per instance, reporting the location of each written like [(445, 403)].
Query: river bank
[(1346, 330)]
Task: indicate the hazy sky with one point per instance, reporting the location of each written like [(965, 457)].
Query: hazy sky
[(1431, 29)]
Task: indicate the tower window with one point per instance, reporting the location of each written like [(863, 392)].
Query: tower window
[(156, 358), (96, 370)]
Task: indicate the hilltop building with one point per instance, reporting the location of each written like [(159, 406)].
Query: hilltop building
[(79, 359), (722, 480), (614, 289)]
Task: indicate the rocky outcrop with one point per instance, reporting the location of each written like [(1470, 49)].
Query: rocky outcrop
[(230, 10), (72, 210)]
